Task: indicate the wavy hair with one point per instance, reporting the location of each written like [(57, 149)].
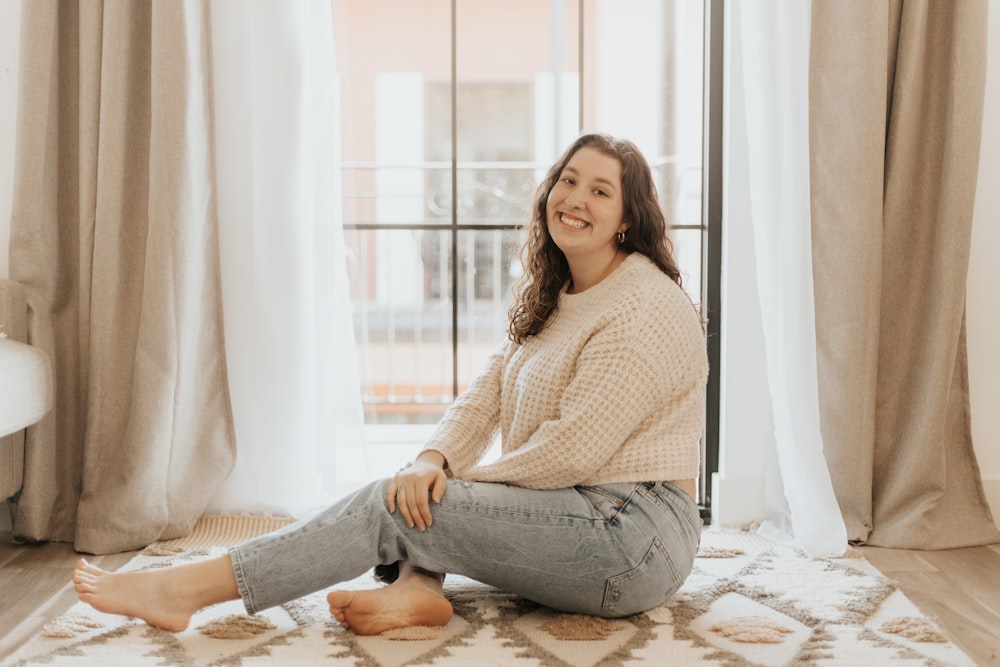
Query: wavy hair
[(546, 270)]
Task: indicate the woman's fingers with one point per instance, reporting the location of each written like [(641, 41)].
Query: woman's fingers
[(422, 509), (390, 496), (403, 502), (411, 492), (438, 487), (409, 505)]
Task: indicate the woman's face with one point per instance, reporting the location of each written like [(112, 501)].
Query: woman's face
[(585, 207)]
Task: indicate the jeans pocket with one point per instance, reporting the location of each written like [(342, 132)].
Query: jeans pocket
[(644, 586), (610, 500)]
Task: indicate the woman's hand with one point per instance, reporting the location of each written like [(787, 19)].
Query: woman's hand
[(413, 487)]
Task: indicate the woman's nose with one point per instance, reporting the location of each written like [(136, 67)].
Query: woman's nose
[(575, 199)]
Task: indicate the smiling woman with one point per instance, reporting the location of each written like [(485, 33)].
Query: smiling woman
[(600, 408)]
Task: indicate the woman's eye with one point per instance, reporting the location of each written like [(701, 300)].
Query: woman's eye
[(600, 193)]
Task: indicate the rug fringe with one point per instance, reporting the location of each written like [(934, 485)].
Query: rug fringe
[(220, 530)]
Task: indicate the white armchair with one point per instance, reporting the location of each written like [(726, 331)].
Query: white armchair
[(25, 386)]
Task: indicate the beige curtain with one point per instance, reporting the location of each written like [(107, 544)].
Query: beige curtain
[(896, 102), (114, 234)]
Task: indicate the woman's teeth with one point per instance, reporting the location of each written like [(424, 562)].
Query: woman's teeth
[(573, 222)]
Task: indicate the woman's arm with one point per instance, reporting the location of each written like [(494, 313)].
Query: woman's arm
[(467, 429)]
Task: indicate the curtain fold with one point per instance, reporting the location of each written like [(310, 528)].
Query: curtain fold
[(114, 234), (289, 333), (800, 502), (896, 101)]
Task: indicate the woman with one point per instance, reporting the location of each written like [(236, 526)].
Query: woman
[(598, 396)]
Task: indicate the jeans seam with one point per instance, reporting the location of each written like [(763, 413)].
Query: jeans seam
[(245, 593), (655, 550), (601, 492), (681, 509), (679, 515)]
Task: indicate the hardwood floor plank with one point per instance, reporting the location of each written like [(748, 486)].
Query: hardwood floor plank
[(972, 627), (897, 560), (26, 628), (974, 571), (35, 586)]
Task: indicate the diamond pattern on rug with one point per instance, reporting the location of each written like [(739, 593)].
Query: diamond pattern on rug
[(895, 608), (736, 624), (749, 601), (536, 629)]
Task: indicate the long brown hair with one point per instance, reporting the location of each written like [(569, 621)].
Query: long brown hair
[(546, 270)]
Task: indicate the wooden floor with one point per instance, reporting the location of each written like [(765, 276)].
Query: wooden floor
[(34, 586), (960, 589)]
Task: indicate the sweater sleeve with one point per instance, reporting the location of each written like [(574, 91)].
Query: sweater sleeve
[(468, 427), (620, 380)]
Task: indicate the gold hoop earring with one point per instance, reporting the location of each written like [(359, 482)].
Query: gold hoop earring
[(620, 237)]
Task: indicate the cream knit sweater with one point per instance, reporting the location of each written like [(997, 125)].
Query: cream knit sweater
[(612, 390)]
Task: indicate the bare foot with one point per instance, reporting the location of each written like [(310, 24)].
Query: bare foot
[(405, 603), (164, 598)]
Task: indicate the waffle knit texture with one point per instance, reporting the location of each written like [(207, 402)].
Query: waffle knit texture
[(612, 390)]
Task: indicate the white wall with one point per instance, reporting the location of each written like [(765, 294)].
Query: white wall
[(746, 424), (10, 19)]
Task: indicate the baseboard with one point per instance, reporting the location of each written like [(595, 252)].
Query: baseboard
[(992, 489), (737, 501)]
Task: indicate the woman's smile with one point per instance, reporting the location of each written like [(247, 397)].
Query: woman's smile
[(572, 221)]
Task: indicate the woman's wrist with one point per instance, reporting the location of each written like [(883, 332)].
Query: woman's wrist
[(433, 456)]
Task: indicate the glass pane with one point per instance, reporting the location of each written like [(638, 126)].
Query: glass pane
[(403, 333), (488, 267), (402, 322), (643, 81), (688, 253), (384, 68), (495, 179), (518, 79)]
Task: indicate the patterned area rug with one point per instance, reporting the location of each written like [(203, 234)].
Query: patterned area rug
[(749, 601)]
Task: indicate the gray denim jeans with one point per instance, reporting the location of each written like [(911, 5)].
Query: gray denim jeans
[(609, 550)]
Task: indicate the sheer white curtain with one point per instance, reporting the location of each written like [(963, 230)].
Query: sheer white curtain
[(799, 497), (289, 337)]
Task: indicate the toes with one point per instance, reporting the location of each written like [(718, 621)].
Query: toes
[(339, 599), (83, 587), (83, 578), (340, 617), (83, 566)]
